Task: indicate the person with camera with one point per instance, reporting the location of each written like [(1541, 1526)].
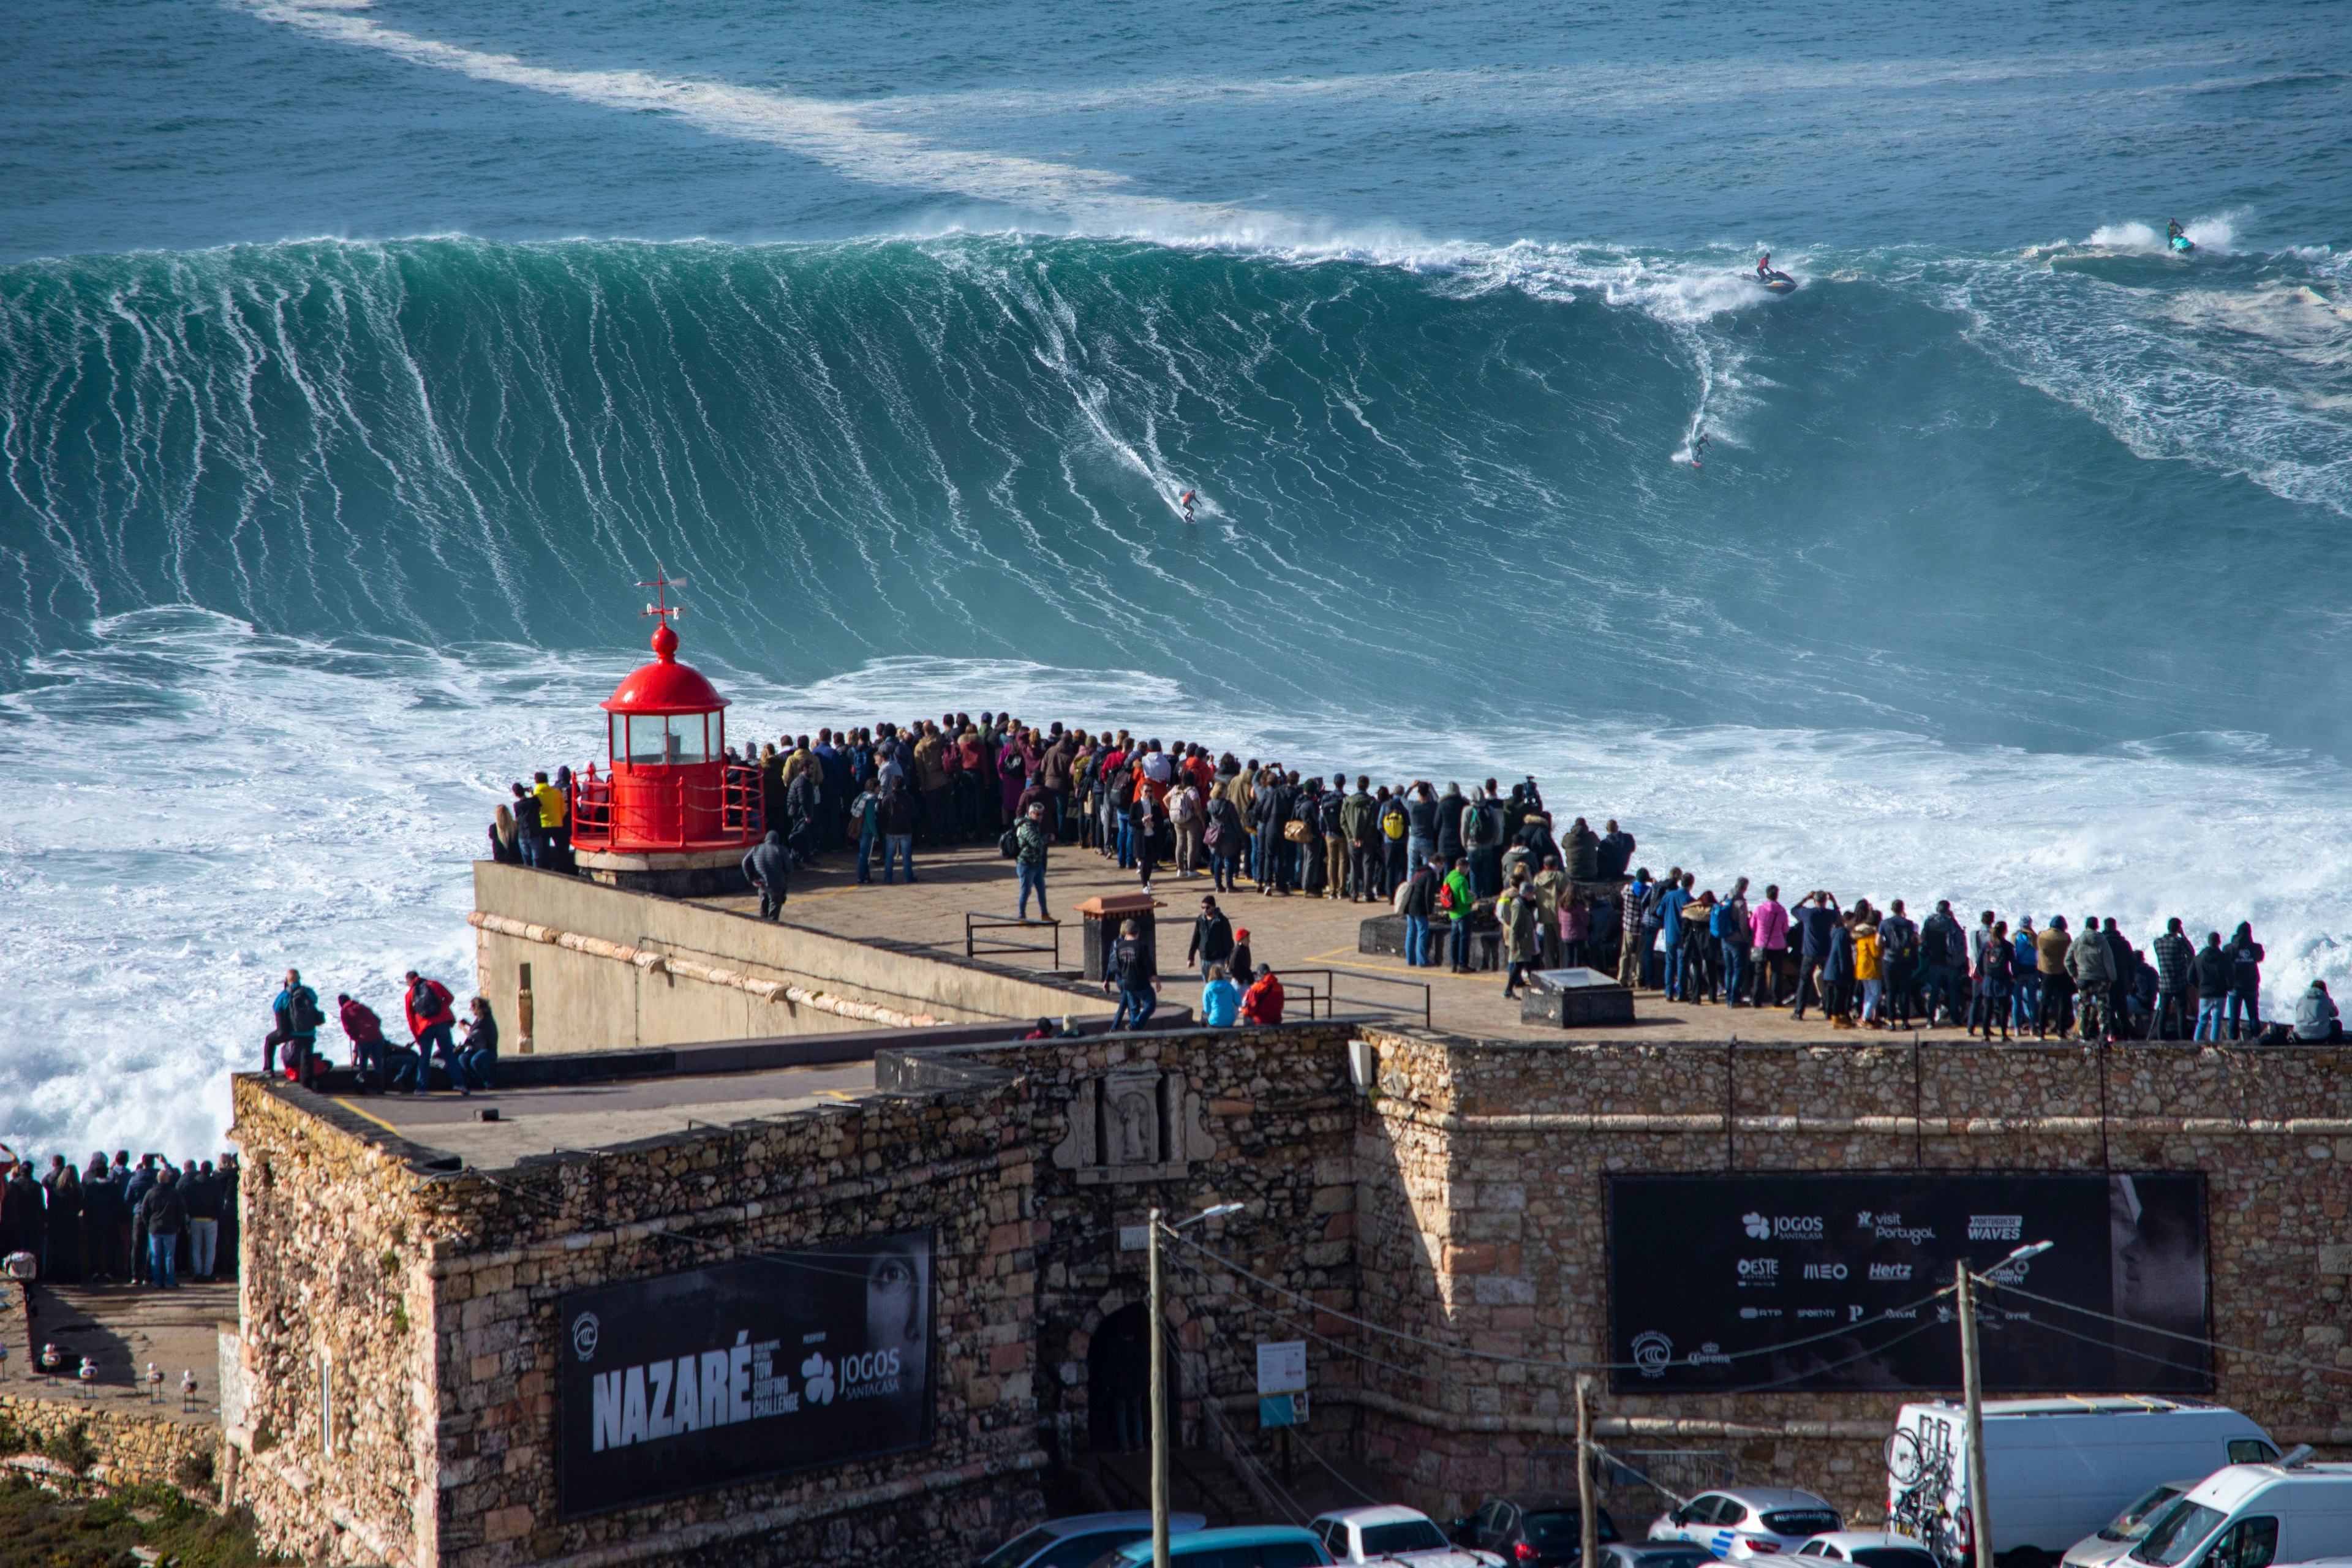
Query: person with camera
[(298, 1018)]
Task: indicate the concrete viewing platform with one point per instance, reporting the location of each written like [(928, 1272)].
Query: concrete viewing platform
[(1294, 933), (555, 1118)]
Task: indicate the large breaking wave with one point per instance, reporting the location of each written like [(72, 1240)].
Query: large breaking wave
[(2011, 577)]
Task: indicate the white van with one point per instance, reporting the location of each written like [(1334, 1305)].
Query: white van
[(2251, 1516), (2059, 1468)]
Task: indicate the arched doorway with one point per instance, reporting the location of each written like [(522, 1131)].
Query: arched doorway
[(1119, 1384)]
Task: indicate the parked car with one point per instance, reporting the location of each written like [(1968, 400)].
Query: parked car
[(2115, 1537), (1078, 1540), (1654, 1554), (1541, 1528), (1394, 1534), (2057, 1468), (2251, 1516), (1244, 1546), (1869, 1547), (1739, 1523)]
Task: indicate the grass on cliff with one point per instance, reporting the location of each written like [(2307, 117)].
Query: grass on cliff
[(39, 1529)]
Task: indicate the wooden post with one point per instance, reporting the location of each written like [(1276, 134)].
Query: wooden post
[(1588, 1517)]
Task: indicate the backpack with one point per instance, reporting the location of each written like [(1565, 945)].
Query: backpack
[(304, 1011), (1445, 897), (1009, 845), (1392, 821)]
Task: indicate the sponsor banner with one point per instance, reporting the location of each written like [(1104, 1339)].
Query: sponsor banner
[(1793, 1281), (721, 1375)]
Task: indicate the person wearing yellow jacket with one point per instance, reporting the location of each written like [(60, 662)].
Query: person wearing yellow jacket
[(1870, 968)]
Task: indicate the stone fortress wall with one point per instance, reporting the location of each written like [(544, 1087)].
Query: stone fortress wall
[(609, 969), (400, 1318)]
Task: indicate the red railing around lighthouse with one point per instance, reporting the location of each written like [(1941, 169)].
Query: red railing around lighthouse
[(656, 813)]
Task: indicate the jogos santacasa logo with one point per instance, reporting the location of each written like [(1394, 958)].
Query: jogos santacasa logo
[(1761, 1227)]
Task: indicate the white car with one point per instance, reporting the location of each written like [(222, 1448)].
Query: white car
[(1868, 1548), (1078, 1539), (1392, 1533), (1742, 1523), (2115, 1537)]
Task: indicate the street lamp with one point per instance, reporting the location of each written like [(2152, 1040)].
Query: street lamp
[(1972, 1391), (1160, 1379)]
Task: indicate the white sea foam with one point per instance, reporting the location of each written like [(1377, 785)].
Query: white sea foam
[(2216, 232), (200, 806)]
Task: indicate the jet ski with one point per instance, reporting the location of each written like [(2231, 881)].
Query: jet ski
[(2180, 244), (1775, 280)]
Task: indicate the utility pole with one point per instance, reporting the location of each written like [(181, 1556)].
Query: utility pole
[(1158, 1309), (1972, 1391), (1160, 1409), (1964, 1284), (1588, 1518)]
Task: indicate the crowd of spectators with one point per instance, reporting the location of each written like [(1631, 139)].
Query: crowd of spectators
[(151, 1223)]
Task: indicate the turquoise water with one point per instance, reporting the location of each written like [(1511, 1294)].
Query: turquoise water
[(356, 359)]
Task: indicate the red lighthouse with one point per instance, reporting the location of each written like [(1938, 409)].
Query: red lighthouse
[(670, 814)]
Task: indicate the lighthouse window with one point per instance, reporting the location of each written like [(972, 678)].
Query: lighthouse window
[(662, 742)]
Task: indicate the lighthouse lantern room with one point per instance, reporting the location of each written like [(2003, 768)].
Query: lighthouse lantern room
[(670, 813)]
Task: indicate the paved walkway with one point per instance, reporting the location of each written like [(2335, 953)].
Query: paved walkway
[(122, 1328), (1294, 933)]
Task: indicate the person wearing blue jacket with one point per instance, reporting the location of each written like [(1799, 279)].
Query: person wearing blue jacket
[(1220, 999), (1670, 927)]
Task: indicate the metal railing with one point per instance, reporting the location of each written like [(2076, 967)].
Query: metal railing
[(1320, 1003), (596, 817), (978, 945)]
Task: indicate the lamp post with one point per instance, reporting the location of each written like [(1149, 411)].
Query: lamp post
[(1159, 1379), (1972, 1394)]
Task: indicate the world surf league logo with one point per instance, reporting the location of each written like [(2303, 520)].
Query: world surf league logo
[(1652, 1354)]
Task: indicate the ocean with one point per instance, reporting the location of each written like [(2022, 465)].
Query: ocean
[(357, 360)]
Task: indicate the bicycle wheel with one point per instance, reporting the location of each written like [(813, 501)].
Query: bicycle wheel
[(1905, 1459)]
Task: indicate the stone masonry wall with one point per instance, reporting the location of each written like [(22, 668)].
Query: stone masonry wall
[(130, 1449), (1280, 1124), (457, 1406), (336, 1452), (1482, 1220)]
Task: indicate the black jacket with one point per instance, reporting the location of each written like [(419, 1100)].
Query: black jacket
[(1212, 940), (767, 866), (2211, 967), (1616, 853), (164, 1210), (1421, 894), (1449, 824)]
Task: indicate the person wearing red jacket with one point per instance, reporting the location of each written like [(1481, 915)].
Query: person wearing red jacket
[(1262, 1004), (371, 1052), (431, 1020)]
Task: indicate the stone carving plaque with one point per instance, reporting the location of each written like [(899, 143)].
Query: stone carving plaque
[(1134, 1125)]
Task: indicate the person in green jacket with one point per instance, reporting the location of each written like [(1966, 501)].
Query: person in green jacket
[(1459, 899), (1031, 838)]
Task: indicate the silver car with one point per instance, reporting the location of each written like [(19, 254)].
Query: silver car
[(2115, 1537), (1742, 1523), (1868, 1548)]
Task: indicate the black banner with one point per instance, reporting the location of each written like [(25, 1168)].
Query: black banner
[(1780, 1281), (717, 1376)]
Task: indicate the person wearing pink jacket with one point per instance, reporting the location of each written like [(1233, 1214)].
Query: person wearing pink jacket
[(1769, 921)]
